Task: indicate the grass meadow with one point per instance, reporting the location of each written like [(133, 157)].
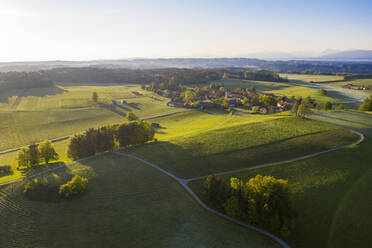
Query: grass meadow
[(311, 78), (331, 191), (241, 143), (171, 126), (126, 202)]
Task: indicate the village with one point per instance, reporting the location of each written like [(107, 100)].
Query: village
[(217, 96)]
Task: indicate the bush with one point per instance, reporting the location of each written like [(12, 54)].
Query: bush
[(323, 92), (340, 107), (76, 186), (131, 116)]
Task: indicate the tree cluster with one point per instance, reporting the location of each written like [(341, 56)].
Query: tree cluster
[(32, 155), (23, 80), (302, 107), (97, 140), (263, 201)]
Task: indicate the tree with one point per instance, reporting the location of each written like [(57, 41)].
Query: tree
[(303, 110), (217, 191), (23, 157), (367, 104), (95, 97), (47, 151), (189, 96), (340, 107), (131, 116), (327, 106), (34, 155), (294, 109), (28, 156), (225, 104), (323, 92), (256, 109), (245, 102)]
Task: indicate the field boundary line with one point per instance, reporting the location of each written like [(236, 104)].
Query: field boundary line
[(184, 182)]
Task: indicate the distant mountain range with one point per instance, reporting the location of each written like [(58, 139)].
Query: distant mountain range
[(349, 55), (297, 61)]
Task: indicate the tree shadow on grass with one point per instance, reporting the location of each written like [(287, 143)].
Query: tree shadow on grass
[(114, 109), (37, 92)]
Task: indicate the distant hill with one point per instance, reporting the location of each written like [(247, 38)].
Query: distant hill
[(349, 55)]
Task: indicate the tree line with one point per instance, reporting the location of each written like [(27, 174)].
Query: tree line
[(97, 140), (23, 80), (262, 201), (172, 77)]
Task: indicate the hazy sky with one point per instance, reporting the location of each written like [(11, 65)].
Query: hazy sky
[(99, 29)]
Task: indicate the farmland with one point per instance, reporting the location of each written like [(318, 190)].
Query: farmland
[(331, 191), (137, 206), (63, 110), (189, 144)]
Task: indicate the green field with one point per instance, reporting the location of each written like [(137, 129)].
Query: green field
[(63, 110), (127, 204), (331, 192), (171, 126), (311, 78), (244, 142)]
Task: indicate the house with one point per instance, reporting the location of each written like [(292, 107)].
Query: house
[(284, 105), (175, 104)]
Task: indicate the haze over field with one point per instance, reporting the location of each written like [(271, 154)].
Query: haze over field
[(84, 30)]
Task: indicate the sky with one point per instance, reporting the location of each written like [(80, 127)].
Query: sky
[(113, 29)]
